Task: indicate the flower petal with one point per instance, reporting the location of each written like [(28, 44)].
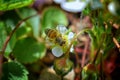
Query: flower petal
[(57, 51), (70, 35), (72, 49), (61, 28)]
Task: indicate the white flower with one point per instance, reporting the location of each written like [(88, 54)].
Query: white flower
[(74, 6)]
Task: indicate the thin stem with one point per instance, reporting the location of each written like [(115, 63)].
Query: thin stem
[(84, 53), (77, 58), (19, 14), (81, 16), (62, 78), (116, 42), (96, 55), (101, 67)]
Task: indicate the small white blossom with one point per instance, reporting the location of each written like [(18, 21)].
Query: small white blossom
[(74, 6)]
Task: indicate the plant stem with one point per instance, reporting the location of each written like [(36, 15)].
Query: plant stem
[(20, 16), (96, 55), (84, 53), (101, 67), (77, 59), (116, 43), (99, 48), (62, 78)]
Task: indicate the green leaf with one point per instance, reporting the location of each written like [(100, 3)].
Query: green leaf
[(53, 16), (28, 50), (10, 19), (87, 11), (2, 34), (14, 71), (23, 32), (33, 22), (13, 4)]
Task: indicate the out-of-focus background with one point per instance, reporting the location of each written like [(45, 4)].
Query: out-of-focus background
[(87, 48)]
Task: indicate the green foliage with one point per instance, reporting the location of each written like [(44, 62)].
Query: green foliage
[(87, 11), (23, 32), (96, 33), (28, 50), (13, 4), (33, 22), (101, 38), (92, 6), (14, 71), (50, 18), (10, 19)]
